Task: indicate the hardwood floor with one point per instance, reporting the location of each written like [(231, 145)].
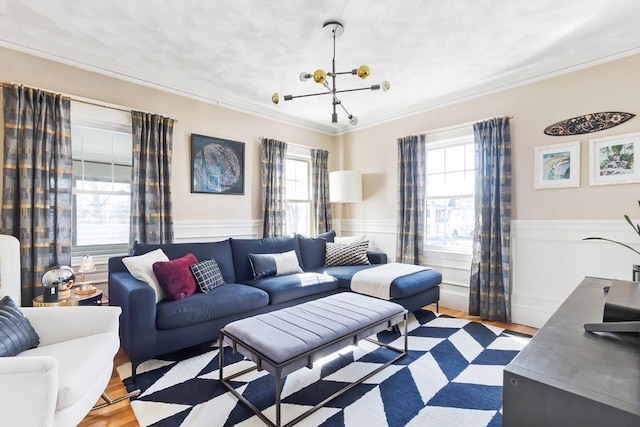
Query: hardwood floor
[(121, 415)]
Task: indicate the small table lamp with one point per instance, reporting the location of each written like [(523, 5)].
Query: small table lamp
[(86, 266)]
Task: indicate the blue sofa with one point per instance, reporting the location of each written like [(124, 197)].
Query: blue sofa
[(148, 329)]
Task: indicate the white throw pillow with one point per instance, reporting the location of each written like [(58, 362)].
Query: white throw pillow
[(350, 239), (287, 263), (141, 267)]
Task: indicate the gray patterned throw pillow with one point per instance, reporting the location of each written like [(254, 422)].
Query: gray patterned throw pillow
[(207, 274), (347, 254)]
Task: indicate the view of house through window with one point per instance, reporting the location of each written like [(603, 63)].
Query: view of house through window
[(298, 193), (101, 189), (450, 193)]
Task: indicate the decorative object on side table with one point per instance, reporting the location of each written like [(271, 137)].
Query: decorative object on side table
[(217, 165), (86, 266), (588, 123), (557, 166), (94, 298), (57, 283), (635, 270), (613, 160)]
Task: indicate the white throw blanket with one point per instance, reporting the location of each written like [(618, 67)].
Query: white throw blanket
[(376, 281)]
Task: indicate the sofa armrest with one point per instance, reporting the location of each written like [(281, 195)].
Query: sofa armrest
[(138, 320), (58, 324), (28, 390), (377, 257)]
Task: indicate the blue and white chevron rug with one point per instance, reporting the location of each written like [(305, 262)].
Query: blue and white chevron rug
[(452, 376)]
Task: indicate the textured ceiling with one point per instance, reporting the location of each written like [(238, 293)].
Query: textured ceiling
[(237, 53)]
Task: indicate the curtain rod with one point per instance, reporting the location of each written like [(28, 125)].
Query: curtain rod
[(462, 125), (291, 143), (85, 100)]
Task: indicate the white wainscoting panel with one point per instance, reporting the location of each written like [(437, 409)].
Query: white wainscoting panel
[(549, 259), (454, 292), (211, 231)]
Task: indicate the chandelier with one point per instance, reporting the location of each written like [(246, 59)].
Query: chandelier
[(334, 28)]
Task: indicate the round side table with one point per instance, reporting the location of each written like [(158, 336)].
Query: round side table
[(89, 299)]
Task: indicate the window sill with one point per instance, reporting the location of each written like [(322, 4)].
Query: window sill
[(447, 250)]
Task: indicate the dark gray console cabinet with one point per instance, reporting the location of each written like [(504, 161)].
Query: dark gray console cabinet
[(568, 377)]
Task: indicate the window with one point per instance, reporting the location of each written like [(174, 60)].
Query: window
[(450, 193), (101, 187), (298, 195)]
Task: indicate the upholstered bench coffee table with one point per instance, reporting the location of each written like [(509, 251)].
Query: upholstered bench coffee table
[(286, 340)]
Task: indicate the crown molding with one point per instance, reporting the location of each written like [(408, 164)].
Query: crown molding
[(495, 84)]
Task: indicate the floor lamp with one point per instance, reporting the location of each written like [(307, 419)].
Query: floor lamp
[(345, 187)]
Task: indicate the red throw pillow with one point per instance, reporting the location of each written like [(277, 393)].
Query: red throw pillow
[(175, 276)]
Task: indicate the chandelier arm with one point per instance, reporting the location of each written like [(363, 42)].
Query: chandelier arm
[(337, 101), (374, 87), (307, 95)]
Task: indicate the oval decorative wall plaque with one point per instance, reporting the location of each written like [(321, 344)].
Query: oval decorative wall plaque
[(588, 123)]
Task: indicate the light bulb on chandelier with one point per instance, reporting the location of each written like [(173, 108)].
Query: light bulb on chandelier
[(334, 28)]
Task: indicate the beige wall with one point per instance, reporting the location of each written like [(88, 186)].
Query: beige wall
[(613, 86), (193, 117)]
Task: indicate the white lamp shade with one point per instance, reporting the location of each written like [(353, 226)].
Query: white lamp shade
[(345, 186), (86, 264)]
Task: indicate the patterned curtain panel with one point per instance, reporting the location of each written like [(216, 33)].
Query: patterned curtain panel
[(411, 199), (320, 190), (490, 267), (151, 217), (37, 181), (274, 157)]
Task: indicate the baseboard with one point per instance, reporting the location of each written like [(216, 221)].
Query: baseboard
[(454, 297)]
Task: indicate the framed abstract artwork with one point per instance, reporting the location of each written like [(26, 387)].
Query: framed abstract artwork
[(614, 159), (557, 166), (217, 165)]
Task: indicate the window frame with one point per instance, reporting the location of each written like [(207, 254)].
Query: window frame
[(100, 119), (297, 157), (460, 140)]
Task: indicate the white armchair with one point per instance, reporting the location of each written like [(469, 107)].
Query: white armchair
[(58, 382)]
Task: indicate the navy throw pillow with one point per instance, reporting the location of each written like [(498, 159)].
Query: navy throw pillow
[(265, 265), (16, 333)]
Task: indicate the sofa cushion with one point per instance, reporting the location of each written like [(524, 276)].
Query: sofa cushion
[(293, 286), (75, 379), (222, 301), (313, 251), (329, 236), (347, 254), (207, 274), (175, 276), (220, 251), (141, 267), (241, 248), (343, 273), (16, 332), (265, 265)]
